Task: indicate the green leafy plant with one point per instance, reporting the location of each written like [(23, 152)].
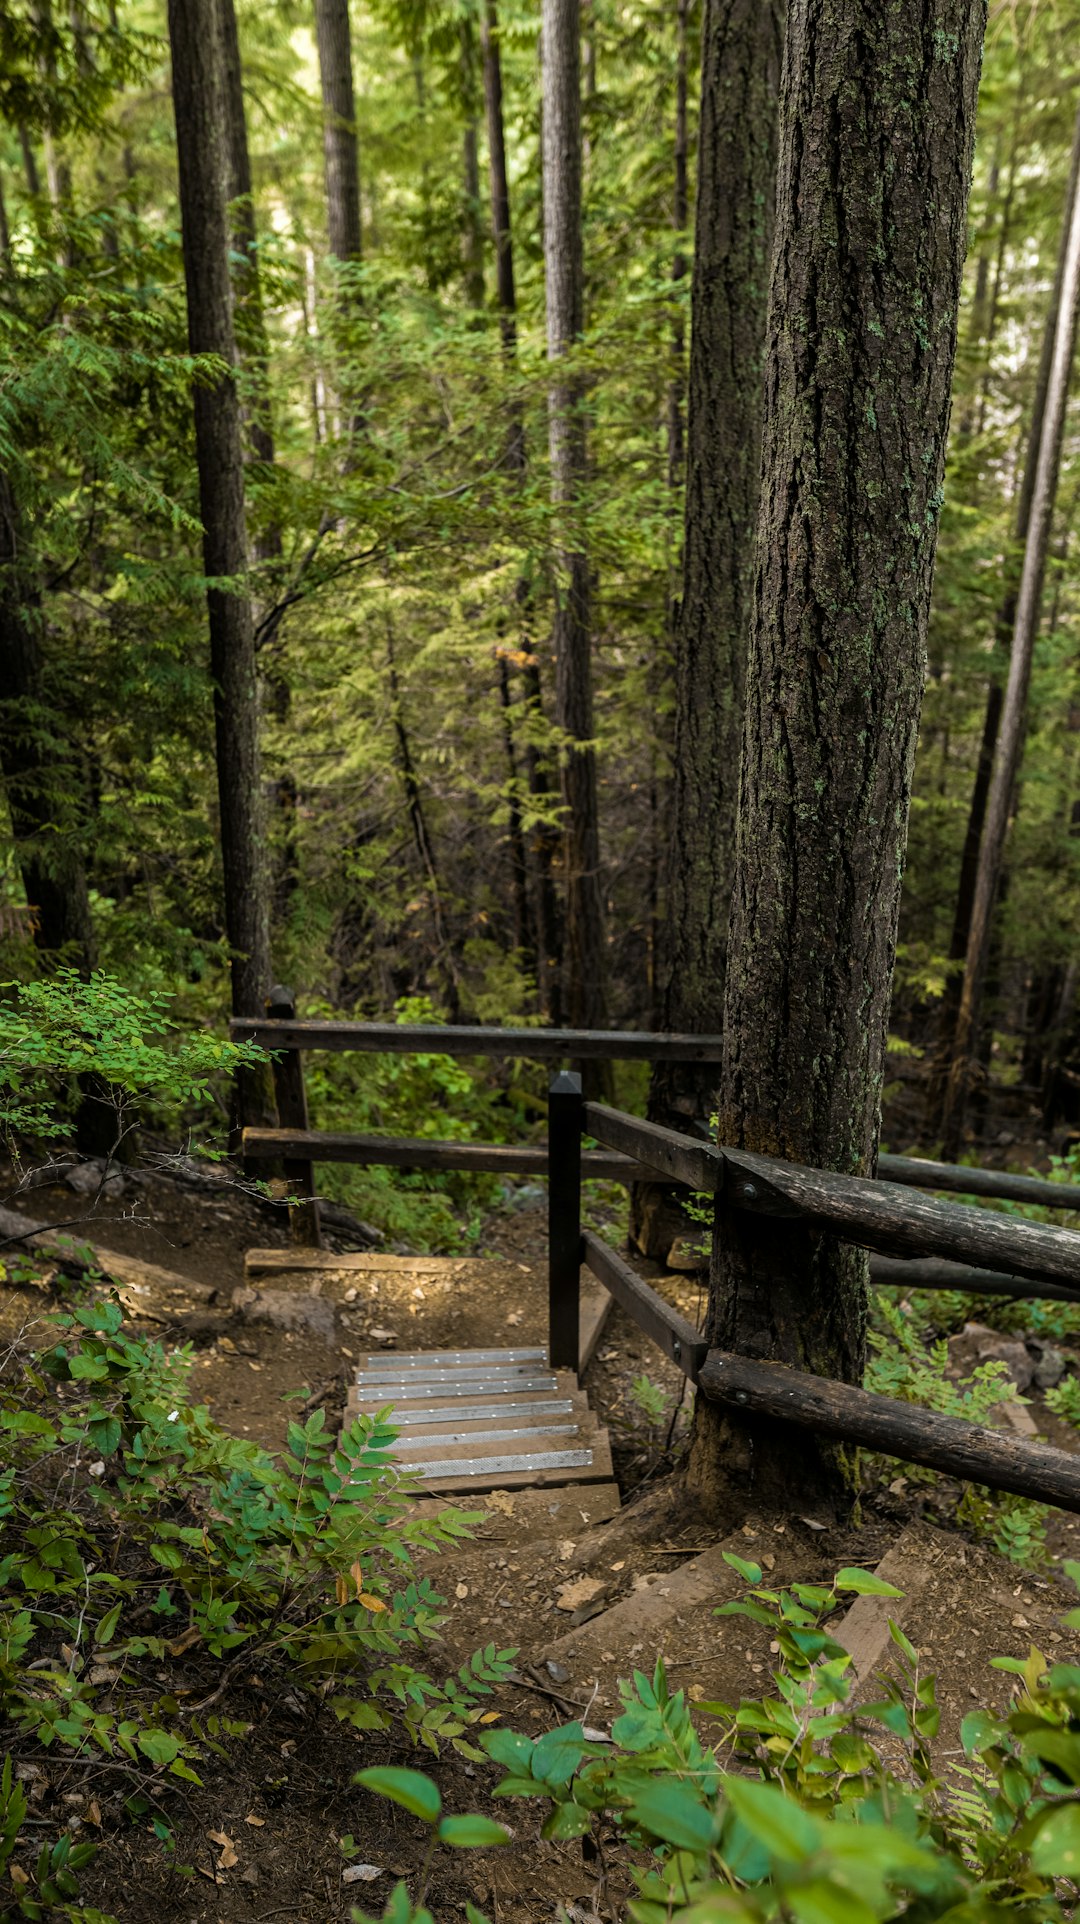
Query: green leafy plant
[(828, 1816), (57, 1033)]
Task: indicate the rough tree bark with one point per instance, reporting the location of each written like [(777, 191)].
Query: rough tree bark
[(1014, 705), (742, 43), (341, 155), (585, 988), (877, 120), (542, 840), (939, 1124), (200, 111)]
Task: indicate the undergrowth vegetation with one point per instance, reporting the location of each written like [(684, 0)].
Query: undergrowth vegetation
[(805, 1810)]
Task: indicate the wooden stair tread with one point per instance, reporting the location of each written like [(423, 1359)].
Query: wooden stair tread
[(483, 1419)]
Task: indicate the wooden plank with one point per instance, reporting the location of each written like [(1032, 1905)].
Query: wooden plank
[(947, 1443), (878, 1215), (664, 1151), (291, 1101), (1001, 1184), (597, 1304), (864, 1629), (675, 1335), (424, 1152), (929, 1273), (537, 1045), (882, 1217)]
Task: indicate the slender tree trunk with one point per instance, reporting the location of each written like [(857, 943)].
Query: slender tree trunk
[(341, 155), (30, 166), (1014, 706), (680, 215), (472, 229), (5, 233), (937, 1124), (543, 840), (41, 782), (249, 321), (742, 42), (200, 109), (586, 986), (425, 850), (524, 940), (877, 120)]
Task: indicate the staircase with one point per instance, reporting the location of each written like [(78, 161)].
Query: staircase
[(480, 1419)]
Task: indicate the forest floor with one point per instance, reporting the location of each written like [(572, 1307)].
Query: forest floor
[(585, 1590)]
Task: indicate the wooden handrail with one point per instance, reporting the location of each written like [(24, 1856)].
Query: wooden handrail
[(860, 1209), (669, 1329), (946, 1443), (427, 1152), (999, 1184), (541, 1045)]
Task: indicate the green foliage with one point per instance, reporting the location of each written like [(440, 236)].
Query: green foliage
[(60, 1029), (650, 1398), (817, 1814), (136, 1532)]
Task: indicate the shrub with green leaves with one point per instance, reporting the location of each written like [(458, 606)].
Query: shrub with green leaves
[(57, 1033), (817, 1814), (134, 1532)]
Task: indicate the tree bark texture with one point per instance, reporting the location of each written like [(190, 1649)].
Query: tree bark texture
[(543, 840), (1014, 706), (199, 105), (340, 147), (877, 123), (585, 996), (742, 46)]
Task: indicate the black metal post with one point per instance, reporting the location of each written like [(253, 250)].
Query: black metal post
[(291, 1101), (565, 1106)]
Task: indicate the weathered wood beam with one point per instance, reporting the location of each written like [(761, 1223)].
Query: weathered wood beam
[(404, 1038), (927, 1273), (425, 1152), (676, 1337), (880, 1216), (998, 1184), (666, 1151), (945, 1443)]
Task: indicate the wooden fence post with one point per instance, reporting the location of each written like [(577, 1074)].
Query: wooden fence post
[(565, 1106), (292, 1114)]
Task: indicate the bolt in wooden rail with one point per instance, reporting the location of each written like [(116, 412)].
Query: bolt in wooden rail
[(946, 1443), (565, 1107), (291, 1099)]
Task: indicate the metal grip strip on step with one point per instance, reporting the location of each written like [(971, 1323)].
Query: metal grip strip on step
[(426, 1359), (378, 1379), (427, 1392), (444, 1438), (507, 1465), (483, 1411)]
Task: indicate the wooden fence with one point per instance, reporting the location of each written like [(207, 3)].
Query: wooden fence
[(914, 1238)]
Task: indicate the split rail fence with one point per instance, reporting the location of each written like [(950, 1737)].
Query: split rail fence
[(913, 1238)]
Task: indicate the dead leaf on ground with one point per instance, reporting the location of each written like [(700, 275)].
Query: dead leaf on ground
[(502, 1501), (461, 1591), (252, 1819), (228, 1856), (572, 1595)]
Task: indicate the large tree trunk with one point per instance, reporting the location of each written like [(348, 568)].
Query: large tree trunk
[(340, 149), (877, 122), (586, 986), (948, 1127), (1014, 705), (542, 840), (200, 110), (742, 42)]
